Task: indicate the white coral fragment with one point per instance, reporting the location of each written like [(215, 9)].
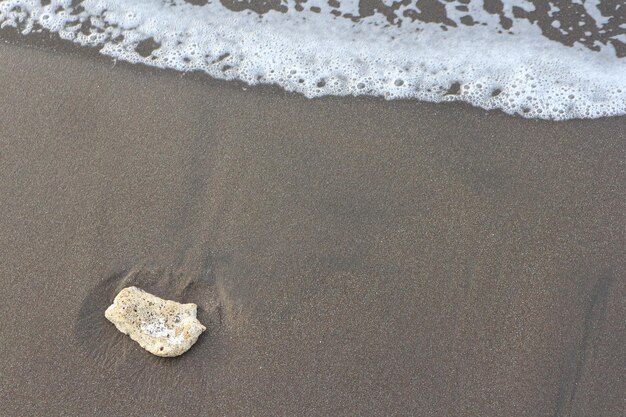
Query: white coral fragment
[(162, 327)]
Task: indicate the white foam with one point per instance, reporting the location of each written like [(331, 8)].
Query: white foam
[(593, 8), (319, 54)]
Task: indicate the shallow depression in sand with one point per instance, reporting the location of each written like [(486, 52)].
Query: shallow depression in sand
[(108, 350)]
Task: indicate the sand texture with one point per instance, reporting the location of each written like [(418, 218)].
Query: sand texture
[(348, 256)]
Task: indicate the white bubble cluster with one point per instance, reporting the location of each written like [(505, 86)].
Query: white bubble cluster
[(316, 54)]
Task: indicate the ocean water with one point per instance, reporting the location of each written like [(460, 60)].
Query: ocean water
[(538, 59)]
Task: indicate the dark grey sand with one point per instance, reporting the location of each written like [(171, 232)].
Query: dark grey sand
[(350, 256)]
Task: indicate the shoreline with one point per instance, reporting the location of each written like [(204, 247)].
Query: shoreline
[(51, 41)]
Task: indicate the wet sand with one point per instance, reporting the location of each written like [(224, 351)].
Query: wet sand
[(350, 256)]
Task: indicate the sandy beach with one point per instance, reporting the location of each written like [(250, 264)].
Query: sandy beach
[(349, 256)]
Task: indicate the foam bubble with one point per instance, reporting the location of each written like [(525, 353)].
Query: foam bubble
[(484, 55)]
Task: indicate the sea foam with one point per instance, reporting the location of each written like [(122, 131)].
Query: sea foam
[(493, 54)]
